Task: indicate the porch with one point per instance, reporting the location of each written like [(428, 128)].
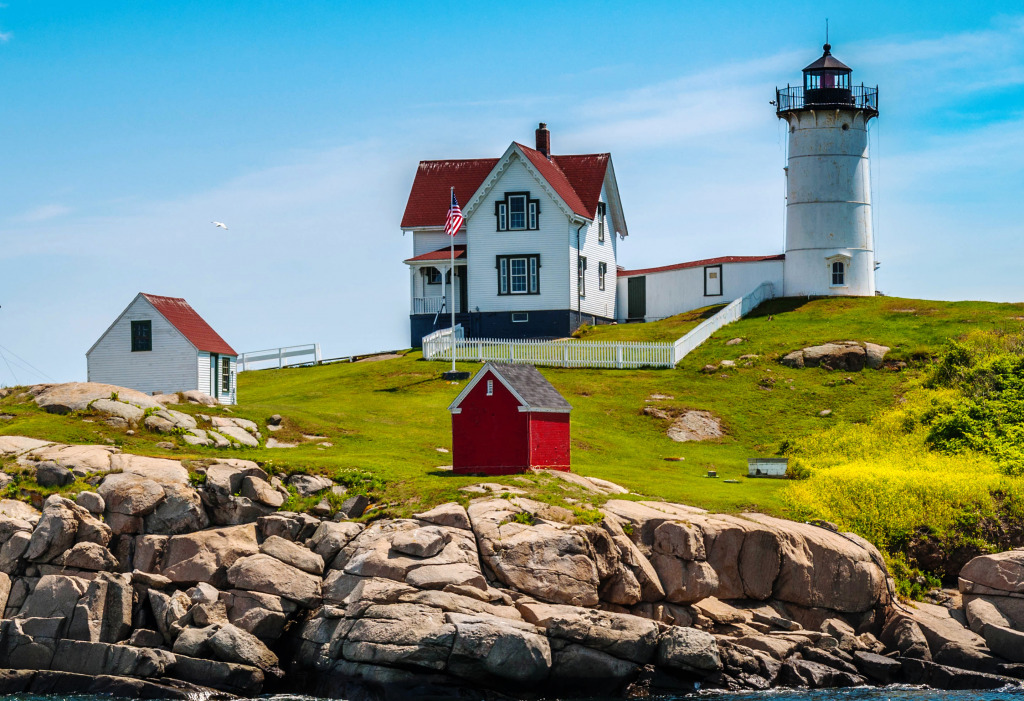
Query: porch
[(432, 287)]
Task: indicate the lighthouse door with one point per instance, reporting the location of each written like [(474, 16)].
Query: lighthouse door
[(713, 281)]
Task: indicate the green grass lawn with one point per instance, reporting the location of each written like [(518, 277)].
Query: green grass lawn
[(667, 330), (387, 419)]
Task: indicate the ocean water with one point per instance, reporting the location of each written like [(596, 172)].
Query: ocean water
[(890, 693)]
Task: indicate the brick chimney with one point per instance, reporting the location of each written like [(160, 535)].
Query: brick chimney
[(544, 140)]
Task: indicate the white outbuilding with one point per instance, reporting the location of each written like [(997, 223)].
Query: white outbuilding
[(160, 344)]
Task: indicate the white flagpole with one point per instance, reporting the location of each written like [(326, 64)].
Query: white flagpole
[(453, 283)]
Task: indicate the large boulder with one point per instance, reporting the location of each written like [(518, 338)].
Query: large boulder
[(842, 355), (406, 635), (1000, 572), (269, 575), (77, 396), (293, 554), (490, 651), (621, 635), (689, 650), (232, 644), (205, 556), (55, 533), (551, 563)]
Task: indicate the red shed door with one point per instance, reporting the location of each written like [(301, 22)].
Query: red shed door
[(549, 440), (490, 435)]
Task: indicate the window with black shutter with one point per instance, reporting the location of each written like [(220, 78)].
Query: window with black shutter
[(142, 335)]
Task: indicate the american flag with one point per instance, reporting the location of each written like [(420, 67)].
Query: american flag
[(454, 221)]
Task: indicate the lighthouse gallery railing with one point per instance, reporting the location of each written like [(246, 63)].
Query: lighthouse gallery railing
[(858, 97)]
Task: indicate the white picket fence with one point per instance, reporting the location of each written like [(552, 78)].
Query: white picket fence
[(588, 354)]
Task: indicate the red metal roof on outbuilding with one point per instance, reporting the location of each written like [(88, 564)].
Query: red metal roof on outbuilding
[(192, 326), (701, 263)]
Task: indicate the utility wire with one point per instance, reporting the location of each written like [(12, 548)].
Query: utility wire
[(16, 381), (26, 363)]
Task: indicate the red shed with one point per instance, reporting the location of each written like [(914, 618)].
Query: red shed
[(507, 420)]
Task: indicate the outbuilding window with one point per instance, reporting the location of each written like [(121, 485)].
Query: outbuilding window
[(838, 274), (601, 213), (142, 335), (225, 375), (518, 275), (517, 212)]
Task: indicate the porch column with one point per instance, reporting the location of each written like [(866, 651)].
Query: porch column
[(412, 289)]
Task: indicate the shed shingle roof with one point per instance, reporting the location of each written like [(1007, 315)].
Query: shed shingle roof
[(192, 326), (533, 387), (440, 254)]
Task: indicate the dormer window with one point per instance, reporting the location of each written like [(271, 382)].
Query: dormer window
[(601, 212), (517, 212)]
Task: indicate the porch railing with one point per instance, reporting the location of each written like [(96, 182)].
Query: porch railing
[(588, 354), (427, 305)]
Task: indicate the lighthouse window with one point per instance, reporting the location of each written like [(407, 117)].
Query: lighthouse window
[(838, 274)]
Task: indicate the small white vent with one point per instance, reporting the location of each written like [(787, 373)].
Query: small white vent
[(518, 317), (490, 388)]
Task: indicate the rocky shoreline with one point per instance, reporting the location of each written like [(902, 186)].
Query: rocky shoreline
[(161, 583)]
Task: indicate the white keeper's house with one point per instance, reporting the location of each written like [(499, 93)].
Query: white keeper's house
[(537, 255), (162, 345)]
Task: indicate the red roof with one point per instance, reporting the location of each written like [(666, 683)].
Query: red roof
[(701, 263), (577, 180), (428, 200), (184, 318), (440, 254)]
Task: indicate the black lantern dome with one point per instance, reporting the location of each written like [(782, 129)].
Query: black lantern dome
[(827, 83)]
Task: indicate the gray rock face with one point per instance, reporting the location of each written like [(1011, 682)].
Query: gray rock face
[(1005, 642), (622, 635), (549, 563), (269, 575), (690, 650), (308, 485), (421, 542), (55, 533), (293, 554), (488, 651), (122, 410), (50, 474), (89, 556), (91, 501), (206, 556), (330, 537), (232, 644), (76, 396), (1002, 572), (402, 635), (451, 515)]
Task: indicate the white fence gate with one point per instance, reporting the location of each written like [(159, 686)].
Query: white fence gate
[(588, 354)]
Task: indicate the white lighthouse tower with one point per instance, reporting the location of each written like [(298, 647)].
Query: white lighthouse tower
[(829, 242)]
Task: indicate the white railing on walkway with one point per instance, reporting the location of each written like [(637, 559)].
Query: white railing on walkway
[(281, 357), (588, 354), (734, 311), (427, 305)]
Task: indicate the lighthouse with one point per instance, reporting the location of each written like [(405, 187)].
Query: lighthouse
[(829, 241)]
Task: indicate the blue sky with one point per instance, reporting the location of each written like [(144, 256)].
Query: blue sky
[(129, 126)]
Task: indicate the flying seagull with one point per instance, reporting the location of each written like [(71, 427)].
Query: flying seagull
[(220, 225)]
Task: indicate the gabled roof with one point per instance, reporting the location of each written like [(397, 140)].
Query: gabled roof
[(192, 326), (441, 254), (700, 263), (576, 179), (525, 382)]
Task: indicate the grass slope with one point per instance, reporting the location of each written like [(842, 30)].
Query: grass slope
[(386, 420)]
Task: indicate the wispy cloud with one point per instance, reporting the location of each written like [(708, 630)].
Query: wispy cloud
[(5, 37), (43, 213)]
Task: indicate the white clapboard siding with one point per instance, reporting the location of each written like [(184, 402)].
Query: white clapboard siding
[(596, 301), (169, 367), (430, 241), (204, 372), (549, 241)]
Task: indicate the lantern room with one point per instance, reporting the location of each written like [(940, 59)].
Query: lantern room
[(827, 81)]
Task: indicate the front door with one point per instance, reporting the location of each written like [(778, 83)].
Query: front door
[(463, 294), (213, 375), (636, 289), (713, 281)]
